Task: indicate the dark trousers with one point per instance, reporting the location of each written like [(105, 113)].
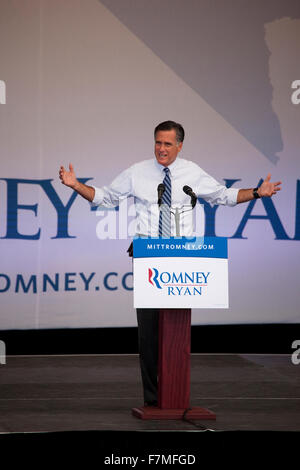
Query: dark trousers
[(147, 319)]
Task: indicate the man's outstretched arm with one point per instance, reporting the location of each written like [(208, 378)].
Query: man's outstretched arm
[(267, 189), (69, 179)]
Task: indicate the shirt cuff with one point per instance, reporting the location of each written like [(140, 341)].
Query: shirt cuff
[(99, 196), (232, 196)]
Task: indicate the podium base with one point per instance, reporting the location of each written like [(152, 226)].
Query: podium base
[(153, 412)]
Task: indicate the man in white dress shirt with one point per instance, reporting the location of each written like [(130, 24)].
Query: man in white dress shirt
[(141, 181)]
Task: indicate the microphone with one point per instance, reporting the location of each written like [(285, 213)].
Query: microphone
[(187, 190), (160, 191)]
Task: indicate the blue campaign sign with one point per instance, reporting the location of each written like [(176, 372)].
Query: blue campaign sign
[(203, 247)]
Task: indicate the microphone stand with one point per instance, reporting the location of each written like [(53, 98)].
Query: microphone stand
[(177, 214), (178, 211)]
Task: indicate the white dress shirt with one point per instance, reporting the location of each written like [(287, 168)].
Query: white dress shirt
[(141, 180)]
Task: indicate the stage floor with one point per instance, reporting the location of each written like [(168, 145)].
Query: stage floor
[(97, 392)]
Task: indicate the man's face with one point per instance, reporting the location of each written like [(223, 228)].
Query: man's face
[(166, 147)]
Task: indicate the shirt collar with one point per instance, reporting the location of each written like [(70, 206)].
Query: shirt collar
[(171, 167)]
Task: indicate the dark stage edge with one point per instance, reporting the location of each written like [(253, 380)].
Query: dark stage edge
[(46, 394), (233, 339)]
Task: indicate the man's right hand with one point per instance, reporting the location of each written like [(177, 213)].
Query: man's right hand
[(68, 177)]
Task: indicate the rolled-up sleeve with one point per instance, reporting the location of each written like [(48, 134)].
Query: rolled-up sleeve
[(110, 196), (215, 193)]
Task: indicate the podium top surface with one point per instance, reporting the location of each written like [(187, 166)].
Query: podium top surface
[(203, 247)]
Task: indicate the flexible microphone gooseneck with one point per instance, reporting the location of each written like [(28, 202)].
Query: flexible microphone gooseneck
[(190, 193)]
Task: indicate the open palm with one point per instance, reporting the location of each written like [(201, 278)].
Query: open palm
[(268, 188), (68, 177)]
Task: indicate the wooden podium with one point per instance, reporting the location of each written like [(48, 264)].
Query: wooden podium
[(170, 277)]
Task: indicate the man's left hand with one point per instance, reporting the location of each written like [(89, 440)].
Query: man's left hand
[(267, 188)]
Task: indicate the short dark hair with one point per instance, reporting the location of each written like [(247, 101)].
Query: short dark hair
[(168, 126)]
